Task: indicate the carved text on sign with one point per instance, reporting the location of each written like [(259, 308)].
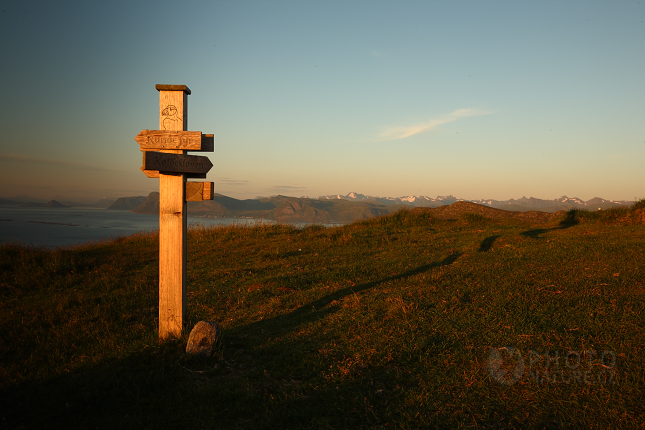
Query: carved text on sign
[(171, 141), (176, 163), (184, 140)]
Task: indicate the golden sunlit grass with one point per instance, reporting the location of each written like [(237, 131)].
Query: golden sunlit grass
[(385, 323)]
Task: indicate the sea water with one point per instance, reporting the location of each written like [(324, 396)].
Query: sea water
[(58, 227)]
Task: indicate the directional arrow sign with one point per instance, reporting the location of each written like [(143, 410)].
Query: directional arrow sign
[(176, 163), (167, 139), (198, 191)]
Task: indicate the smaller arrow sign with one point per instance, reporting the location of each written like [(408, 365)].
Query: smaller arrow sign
[(175, 163), (198, 191), (165, 139)]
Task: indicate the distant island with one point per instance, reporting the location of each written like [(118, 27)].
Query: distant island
[(128, 203), (49, 204), (324, 209)]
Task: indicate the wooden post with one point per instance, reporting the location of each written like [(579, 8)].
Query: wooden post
[(173, 116), (164, 157)]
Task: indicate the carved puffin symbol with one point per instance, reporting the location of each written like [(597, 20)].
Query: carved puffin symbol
[(170, 117)]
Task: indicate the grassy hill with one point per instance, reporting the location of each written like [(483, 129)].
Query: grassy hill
[(392, 322)]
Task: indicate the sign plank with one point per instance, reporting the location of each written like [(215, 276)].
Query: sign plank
[(198, 191), (171, 139), (155, 174), (208, 143), (150, 173), (175, 163)]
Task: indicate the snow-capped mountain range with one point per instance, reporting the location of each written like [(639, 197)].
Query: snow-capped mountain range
[(523, 204)]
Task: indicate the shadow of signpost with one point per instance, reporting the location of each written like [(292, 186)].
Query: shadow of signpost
[(487, 243), (570, 220), (317, 309)]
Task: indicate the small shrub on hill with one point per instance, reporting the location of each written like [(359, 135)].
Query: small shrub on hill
[(572, 218), (638, 204)]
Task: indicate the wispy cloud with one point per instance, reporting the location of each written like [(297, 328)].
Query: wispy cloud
[(376, 53), (55, 162), (229, 181), (401, 132)]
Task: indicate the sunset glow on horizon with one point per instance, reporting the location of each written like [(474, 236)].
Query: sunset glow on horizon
[(481, 100)]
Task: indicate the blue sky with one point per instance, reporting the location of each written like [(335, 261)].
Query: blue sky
[(481, 99)]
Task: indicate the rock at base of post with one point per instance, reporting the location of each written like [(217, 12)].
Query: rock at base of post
[(202, 338)]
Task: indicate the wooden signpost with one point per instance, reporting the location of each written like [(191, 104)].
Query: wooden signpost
[(164, 157)]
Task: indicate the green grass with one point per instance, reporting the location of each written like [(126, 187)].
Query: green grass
[(385, 323)]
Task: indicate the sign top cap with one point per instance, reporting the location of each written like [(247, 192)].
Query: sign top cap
[(184, 88)]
